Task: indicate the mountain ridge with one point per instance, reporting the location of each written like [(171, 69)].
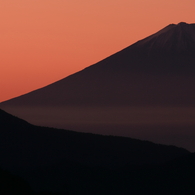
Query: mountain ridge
[(54, 159), (25, 142)]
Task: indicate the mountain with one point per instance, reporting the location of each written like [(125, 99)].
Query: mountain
[(53, 159), (30, 146), (144, 91), (169, 51)]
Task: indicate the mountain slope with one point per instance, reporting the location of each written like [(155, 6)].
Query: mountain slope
[(165, 55), (31, 146), (50, 158)]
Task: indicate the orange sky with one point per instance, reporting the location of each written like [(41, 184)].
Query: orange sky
[(42, 41)]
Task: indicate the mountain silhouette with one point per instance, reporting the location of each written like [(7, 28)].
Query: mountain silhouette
[(155, 164), (52, 159), (31, 146), (146, 86)]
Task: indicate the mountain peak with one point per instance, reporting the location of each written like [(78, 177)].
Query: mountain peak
[(173, 39), (182, 23), (186, 26)]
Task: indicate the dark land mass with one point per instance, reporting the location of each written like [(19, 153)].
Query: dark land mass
[(54, 161), (144, 91)]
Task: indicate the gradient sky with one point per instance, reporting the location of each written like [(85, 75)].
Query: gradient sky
[(42, 41)]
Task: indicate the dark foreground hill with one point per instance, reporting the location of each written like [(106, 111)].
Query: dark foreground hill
[(31, 146), (80, 163), (145, 91)]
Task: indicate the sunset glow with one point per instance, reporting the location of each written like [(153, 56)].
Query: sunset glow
[(43, 41)]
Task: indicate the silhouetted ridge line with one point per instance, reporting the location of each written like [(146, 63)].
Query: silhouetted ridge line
[(8, 120), (60, 160), (40, 145)]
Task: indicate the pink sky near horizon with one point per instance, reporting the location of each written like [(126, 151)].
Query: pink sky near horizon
[(43, 41)]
